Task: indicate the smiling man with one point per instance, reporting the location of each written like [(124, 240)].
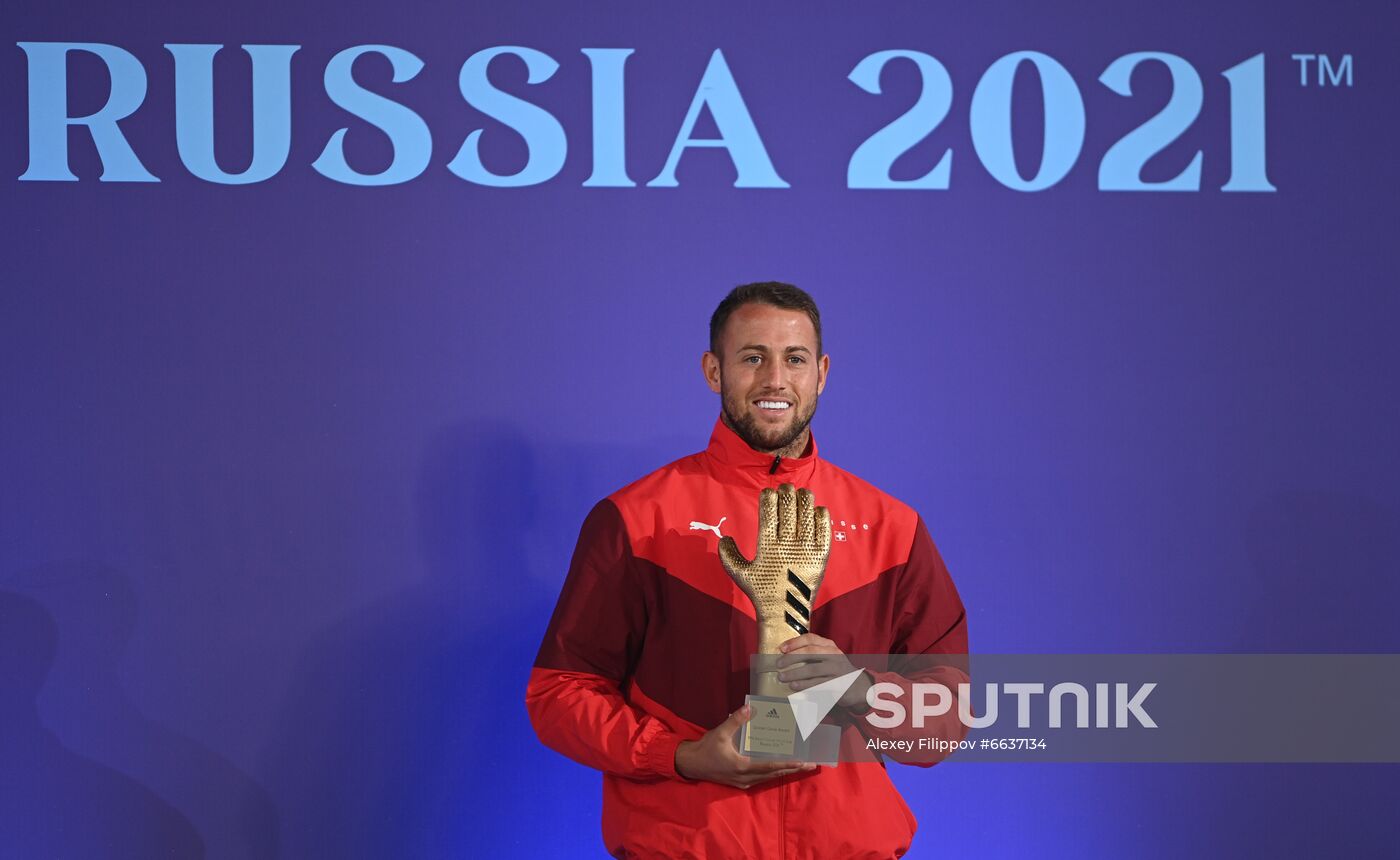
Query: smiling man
[(766, 364), (644, 667)]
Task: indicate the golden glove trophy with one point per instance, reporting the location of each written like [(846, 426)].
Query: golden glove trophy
[(794, 541)]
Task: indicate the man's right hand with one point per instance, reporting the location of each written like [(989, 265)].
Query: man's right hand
[(715, 757)]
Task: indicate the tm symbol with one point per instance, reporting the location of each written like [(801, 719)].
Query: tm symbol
[(1329, 72)]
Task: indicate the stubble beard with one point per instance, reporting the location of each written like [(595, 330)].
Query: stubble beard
[(745, 424)]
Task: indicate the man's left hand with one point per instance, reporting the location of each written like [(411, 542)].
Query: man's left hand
[(809, 660)]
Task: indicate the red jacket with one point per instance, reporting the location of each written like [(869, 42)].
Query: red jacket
[(649, 645)]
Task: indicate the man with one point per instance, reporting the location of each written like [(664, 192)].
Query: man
[(645, 664)]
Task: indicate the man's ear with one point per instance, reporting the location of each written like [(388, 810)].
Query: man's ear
[(709, 365), (823, 366)]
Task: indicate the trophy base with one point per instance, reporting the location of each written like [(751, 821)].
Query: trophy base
[(772, 733)]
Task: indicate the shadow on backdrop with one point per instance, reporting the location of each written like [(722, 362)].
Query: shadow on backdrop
[(88, 707), (54, 802), (405, 733)]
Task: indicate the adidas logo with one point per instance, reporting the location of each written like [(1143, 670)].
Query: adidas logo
[(772, 712)]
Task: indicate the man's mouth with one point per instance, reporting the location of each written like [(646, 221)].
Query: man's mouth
[(774, 407)]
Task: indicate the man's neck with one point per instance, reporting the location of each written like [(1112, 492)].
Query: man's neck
[(796, 449)]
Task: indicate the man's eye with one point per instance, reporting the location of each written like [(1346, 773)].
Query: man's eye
[(797, 359), (751, 359)]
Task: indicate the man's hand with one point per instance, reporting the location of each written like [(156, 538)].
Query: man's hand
[(809, 660), (715, 757)]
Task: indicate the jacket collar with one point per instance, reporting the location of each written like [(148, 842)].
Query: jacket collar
[(730, 452)]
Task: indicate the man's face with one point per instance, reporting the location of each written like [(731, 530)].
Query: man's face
[(768, 374)]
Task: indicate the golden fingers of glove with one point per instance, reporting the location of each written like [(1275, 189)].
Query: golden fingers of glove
[(794, 541)]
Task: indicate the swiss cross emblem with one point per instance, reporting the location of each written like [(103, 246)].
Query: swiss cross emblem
[(851, 528)]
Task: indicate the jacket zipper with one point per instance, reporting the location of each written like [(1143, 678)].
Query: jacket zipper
[(783, 780)]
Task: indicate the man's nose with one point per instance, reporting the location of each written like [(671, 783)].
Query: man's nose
[(772, 375)]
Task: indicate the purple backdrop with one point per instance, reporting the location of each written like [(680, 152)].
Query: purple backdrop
[(290, 472)]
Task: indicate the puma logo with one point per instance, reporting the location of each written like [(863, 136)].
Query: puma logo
[(701, 527)]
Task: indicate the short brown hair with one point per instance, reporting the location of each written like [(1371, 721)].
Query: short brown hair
[(775, 293)]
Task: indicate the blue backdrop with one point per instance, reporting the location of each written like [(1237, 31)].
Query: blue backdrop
[(292, 463)]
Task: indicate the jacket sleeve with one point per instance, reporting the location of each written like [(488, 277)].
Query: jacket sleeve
[(930, 630), (574, 696)]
